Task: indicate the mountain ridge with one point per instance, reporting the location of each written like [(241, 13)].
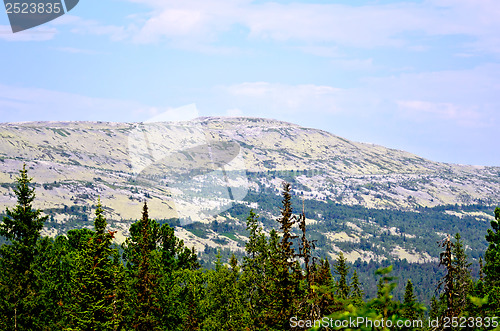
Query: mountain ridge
[(218, 163)]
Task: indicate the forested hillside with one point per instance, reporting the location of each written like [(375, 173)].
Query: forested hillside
[(82, 280), (377, 205)]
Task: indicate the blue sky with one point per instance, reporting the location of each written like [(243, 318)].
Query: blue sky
[(422, 76)]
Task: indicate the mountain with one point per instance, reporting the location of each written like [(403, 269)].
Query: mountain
[(203, 176)]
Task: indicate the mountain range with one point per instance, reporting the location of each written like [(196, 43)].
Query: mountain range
[(203, 176)]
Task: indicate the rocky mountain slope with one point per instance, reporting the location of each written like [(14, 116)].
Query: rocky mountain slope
[(197, 170)]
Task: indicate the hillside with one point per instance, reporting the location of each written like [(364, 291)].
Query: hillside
[(214, 169)]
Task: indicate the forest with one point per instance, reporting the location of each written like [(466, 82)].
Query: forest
[(82, 280)]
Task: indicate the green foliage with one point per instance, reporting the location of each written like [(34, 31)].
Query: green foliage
[(341, 270), (356, 294), (144, 272), (463, 283), (377, 313), (412, 310), (80, 281), (492, 266), (18, 283), (96, 276)]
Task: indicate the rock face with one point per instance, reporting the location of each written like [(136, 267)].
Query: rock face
[(194, 170)]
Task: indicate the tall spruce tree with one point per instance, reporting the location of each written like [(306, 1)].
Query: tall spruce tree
[(254, 276), (448, 280), (286, 273), (492, 266), (411, 308), (463, 279), (224, 302), (18, 284), (96, 278), (324, 288), (342, 270), (356, 293), (143, 269)]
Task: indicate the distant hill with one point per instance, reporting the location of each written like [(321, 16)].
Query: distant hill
[(207, 173)]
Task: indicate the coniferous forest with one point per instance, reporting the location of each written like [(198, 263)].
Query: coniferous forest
[(84, 281)]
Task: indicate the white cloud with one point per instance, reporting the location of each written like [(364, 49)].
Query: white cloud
[(73, 50), (363, 26), (184, 113), (462, 98), (279, 99), (29, 104), (82, 26), (423, 111), (36, 34)]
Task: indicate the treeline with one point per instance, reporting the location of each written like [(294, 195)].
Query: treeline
[(82, 281)]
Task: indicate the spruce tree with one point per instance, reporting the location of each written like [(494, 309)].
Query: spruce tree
[(410, 306), (53, 267), (448, 280), (96, 280), (254, 276), (462, 280), (143, 270), (356, 294), (324, 288), (492, 266), (224, 301), (18, 284), (286, 273), (342, 270)]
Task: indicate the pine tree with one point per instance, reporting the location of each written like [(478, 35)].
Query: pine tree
[(18, 283), (462, 280), (356, 294), (410, 306), (53, 267), (174, 255), (341, 270), (143, 273), (285, 272), (448, 280), (492, 266), (435, 311), (224, 301), (324, 288), (254, 277), (96, 277)]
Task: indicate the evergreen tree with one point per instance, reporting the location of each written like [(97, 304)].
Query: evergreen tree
[(96, 277), (324, 289), (435, 311), (19, 287), (53, 266), (341, 270), (254, 277), (382, 307), (462, 280), (448, 280), (356, 294), (224, 300), (284, 272), (492, 266), (174, 255), (411, 309), (143, 273)]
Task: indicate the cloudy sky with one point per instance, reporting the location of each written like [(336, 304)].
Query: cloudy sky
[(422, 76)]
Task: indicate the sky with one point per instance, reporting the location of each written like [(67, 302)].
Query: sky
[(420, 76)]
